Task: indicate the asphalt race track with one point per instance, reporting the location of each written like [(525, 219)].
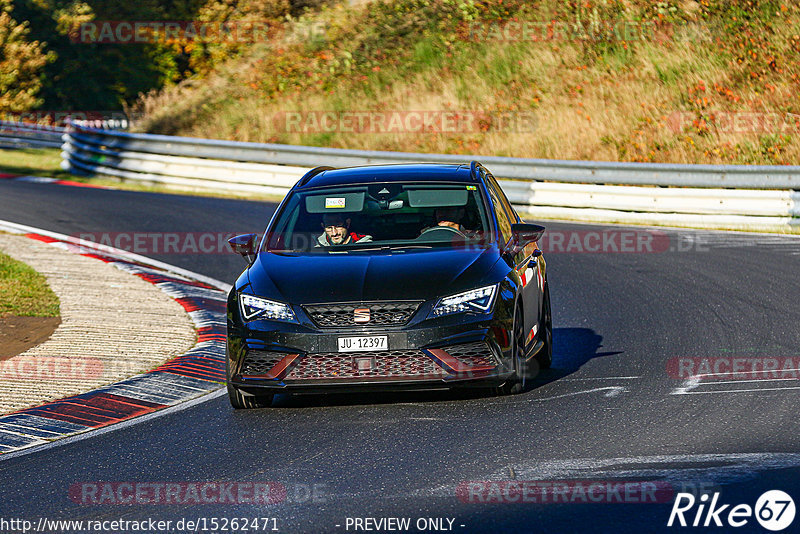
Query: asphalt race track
[(615, 407)]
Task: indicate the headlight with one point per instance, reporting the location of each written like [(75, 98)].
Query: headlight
[(253, 307), (478, 300)]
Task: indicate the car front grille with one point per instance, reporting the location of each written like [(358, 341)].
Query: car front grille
[(392, 313), (408, 364), (477, 354)]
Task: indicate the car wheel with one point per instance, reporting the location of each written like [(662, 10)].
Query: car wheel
[(545, 355), (241, 401), (518, 381)]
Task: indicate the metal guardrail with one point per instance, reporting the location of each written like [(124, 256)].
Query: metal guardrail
[(698, 194), (597, 172), (25, 135)]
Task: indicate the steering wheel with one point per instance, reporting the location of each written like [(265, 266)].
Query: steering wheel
[(442, 232)]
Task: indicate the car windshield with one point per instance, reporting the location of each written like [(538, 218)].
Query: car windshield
[(380, 216)]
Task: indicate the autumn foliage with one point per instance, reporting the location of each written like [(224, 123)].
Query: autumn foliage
[(21, 63)]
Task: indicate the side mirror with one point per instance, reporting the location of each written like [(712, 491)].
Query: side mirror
[(523, 234), (245, 245)]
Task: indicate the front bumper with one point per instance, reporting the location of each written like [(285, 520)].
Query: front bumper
[(471, 351)]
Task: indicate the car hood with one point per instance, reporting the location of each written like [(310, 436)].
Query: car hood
[(411, 275)]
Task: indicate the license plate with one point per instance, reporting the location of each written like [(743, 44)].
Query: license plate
[(363, 343)]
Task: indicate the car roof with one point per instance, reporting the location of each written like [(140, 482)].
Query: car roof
[(401, 172)]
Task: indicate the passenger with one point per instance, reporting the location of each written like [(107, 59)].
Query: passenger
[(337, 232), (450, 217)]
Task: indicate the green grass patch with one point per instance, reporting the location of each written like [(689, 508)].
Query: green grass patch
[(33, 161), (24, 292), (427, 54)]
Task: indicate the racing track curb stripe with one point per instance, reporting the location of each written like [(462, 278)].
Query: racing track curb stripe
[(48, 180), (197, 372)]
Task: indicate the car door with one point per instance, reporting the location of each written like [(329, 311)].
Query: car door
[(529, 268)]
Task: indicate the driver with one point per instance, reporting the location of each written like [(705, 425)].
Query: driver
[(337, 232)]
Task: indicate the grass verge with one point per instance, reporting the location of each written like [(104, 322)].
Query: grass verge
[(33, 162), (24, 292)]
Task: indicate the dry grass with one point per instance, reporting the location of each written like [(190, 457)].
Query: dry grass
[(590, 101)]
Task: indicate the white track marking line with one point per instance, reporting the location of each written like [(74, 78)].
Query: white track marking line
[(600, 378), (695, 381), (688, 385), (729, 373), (611, 391), (735, 391), (746, 381)]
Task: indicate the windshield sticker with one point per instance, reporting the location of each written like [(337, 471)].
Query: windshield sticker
[(471, 188), (335, 202)]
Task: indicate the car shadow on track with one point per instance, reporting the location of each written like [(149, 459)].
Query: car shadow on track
[(572, 348)]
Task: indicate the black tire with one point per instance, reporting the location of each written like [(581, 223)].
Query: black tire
[(517, 383), (545, 355), (240, 401)]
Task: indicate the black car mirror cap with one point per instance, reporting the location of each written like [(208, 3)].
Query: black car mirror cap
[(245, 245), (523, 234)]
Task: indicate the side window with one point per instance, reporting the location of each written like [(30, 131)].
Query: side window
[(503, 221), (506, 204)]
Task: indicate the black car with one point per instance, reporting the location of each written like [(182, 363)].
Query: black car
[(389, 277)]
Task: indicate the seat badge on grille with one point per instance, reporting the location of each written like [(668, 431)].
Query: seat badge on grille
[(361, 315)]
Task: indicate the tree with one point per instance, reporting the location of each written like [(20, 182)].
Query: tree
[(21, 64)]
